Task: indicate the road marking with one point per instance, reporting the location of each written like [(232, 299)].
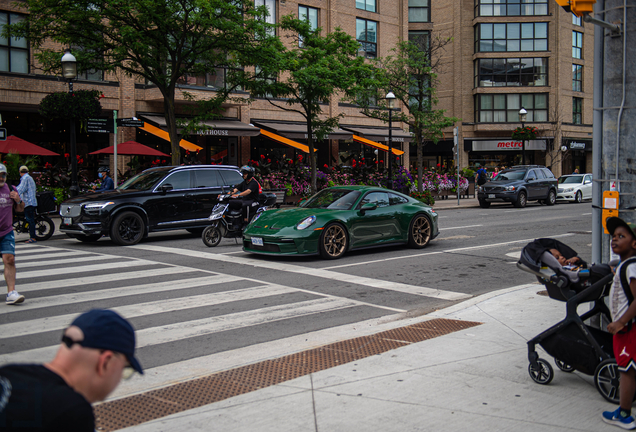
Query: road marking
[(31, 264), (522, 209), (321, 273), (460, 227), (21, 257), (502, 244), (84, 269)]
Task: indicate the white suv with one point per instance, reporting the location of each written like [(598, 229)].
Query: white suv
[(575, 187)]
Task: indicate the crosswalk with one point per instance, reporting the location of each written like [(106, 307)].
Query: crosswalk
[(180, 313)]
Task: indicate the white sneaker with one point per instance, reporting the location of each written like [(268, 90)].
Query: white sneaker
[(14, 298)]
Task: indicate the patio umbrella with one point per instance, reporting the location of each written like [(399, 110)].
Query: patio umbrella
[(16, 145), (131, 148)]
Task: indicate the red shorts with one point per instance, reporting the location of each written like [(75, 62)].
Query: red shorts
[(625, 349)]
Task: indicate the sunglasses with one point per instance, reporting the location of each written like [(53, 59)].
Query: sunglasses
[(128, 370)]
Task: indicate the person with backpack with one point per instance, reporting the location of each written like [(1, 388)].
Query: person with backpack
[(482, 176), (623, 310)]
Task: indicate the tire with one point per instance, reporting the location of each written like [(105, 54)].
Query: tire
[(88, 238), (606, 380), (44, 228), (551, 200), (484, 204), (522, 200), (419, 232), (128, 229), (18, 226), (211, 236), (542, 373), (333, 241), (578, 198), (563, 366)]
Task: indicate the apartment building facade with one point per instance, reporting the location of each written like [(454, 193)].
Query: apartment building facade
[(504, 54)]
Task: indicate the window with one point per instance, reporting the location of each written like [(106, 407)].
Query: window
[(577, 77), (14, 52), (309, 14), (511, 37), (504, 108), (510, 7), (577, 44), (207, 178), (366, 34), (368, 5), (178, 180), (419, 11), (271, 8), (576, 20), (511, 72), (420, 38), (577, 110), (381, 199), (216, 79), (91, 75)]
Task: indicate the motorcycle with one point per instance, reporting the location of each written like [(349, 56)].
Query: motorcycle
[(228, 223), (44, 226)]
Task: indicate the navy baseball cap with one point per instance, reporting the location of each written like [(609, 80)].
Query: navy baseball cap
[(107, 330), (614, 222)]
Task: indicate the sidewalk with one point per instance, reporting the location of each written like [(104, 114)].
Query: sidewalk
[(451, 203), (470, 380)]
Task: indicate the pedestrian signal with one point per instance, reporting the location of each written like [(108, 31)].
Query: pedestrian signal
[(577, 7)]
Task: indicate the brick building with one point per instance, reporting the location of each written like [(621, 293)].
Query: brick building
[(504, 55)]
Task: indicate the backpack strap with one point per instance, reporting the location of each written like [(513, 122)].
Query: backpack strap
[(624, 281)]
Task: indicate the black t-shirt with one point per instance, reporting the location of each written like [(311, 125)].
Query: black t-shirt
[(33, 398), (252, 185)]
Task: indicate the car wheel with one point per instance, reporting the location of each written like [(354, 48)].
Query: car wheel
[(522, 200), (419, 232), (333, 241), (484, 204), (578, 197), (88, 238), (551, 198), (44, 228), (211, 236), (127, 229)]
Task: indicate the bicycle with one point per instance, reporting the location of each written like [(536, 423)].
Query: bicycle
[(44, 226)]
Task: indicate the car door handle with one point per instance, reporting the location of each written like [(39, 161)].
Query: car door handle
[(189, 195)]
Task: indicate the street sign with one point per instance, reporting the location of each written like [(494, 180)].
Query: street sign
[(130, 122), (100, 125), (3, 134)]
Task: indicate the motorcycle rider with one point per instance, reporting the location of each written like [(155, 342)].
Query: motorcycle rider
[(247, 191)]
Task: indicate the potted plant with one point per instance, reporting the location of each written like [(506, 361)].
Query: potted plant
[(524, 133)]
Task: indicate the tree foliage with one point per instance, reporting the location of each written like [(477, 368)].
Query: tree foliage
[(315, 67), (410, 73), (79, 105), (158, 41)]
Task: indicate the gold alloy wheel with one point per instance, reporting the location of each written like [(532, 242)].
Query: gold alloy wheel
[(334, 242), (420, 231)]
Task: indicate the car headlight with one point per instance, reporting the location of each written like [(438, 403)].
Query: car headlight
[(480, 189), (566, 190), (306, 223), (97, 205), (256, 217), (509, 188)]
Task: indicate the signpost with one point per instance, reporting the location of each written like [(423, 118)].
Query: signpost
[(100, 125), (130, 122)]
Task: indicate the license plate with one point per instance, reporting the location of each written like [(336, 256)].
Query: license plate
[(491, 195), (68, 221), (257, 241)]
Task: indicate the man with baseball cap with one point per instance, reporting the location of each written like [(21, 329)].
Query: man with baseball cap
[(27, 189), (10, 201), (97, 350)]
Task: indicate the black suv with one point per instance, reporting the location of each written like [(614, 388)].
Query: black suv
[(518, 185), (158, 199)]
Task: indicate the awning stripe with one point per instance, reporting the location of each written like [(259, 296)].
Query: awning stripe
[(377, 145), (286, 141), (164, 135)]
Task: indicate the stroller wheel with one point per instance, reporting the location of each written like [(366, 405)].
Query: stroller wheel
[(563, 366), (542, 373), (606, 380)]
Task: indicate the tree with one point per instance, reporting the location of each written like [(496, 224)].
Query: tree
[(410, 73), (315, 68), (158, 41), (553, 134)]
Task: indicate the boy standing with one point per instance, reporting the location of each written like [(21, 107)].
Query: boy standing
[(623, 310)]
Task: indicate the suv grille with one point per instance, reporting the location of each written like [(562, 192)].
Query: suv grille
[(70, 210), (493, 189)]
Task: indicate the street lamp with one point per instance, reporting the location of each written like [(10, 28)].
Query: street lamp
[(390, 98), (69, 71), (522, 118)]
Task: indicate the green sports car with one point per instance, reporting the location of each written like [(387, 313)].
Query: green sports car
[(339, 219)]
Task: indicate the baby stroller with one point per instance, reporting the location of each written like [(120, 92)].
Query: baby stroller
[(573, 344)]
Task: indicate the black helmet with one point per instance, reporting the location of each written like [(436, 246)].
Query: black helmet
[(246, 169), (103, 169)]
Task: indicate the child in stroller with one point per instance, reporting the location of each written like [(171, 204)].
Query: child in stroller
[(573, 344)]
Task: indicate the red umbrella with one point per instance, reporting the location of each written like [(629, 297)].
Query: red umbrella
[(16, 145), (131, 148)]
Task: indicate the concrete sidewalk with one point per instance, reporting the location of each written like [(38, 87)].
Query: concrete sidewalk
[(451, 203), (471, 380)]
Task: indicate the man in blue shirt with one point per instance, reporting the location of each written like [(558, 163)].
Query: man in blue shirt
[(26, 189), (107, 182)]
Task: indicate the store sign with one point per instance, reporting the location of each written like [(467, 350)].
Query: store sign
[(507, 145), (394, 139), (221, 132), (577, 145)]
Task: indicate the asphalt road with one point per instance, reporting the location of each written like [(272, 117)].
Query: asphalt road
[(198, 309)]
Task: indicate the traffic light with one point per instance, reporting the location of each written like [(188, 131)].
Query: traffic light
[(577, 7)]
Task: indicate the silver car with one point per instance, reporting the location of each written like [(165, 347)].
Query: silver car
[(575, 187)]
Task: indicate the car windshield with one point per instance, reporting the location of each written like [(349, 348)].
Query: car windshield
[(340, 199), (571, 179), (143, 181), (511, 175)]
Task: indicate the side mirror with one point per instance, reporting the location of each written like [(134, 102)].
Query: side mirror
[(166, 187), (531, 179), (367, 207)]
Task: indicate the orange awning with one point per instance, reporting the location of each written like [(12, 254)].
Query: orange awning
[(286, 141), (163, 134), (219, 155), (377, 145)]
